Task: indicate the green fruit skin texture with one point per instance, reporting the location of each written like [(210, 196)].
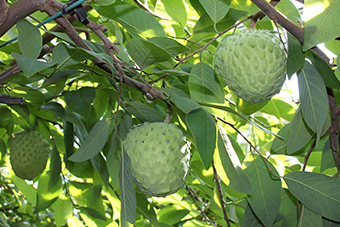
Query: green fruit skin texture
[(252, 63), (29, 152), (159, 157)]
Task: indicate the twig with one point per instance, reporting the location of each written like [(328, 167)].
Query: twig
[(218, 185), (307, 155)]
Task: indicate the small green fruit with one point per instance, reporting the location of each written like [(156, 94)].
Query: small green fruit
[(252, 63), (159, 157), (29, 154)]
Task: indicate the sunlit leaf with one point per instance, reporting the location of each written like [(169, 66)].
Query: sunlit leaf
[(317, 192), (176, 10), (321, 17), (216, 9)]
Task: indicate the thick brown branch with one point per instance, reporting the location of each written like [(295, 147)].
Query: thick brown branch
[(18, 11)]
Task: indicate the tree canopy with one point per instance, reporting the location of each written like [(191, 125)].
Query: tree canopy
[(83, 75)]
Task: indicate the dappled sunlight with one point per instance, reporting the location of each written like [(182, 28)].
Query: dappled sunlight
[(312, 10)]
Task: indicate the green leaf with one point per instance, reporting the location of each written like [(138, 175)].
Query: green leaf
[(176, 10), (146, 53), (324, 69), (171, 215), (216, 9), (63, 209), (265, 195), (127, 193), (296, 57), (299, 133), (327, 160), (206, 24), (247, 108), (318, 192), (228, 165), (80, 101), (145, 208), (280, 146), (288, 211), (230, 110), (94, 142), (280, 109), (205, 87), (143, 112), (321, 17), (181, 100), (250, 219), (29, 38), (46, 195), (313, 98), (329, 223), (135, 20), (173, 47), (55, 167), (309, 218), (30, 66), (203, 128)]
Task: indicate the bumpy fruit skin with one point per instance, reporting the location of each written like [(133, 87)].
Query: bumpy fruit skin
[(252, 63), (160, 158), (29, 152)]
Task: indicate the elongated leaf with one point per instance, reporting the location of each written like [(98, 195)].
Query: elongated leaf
[(146, 209), (176, 10), (135, 20), (146, 53), (181, 100), (227, 109), (173, 47), (329, 223), (216, 9), (63, 209), (143, 112), (296, 57), (327, 160), (313, 98), (206, 88), (324, 69), (321, 17), (299, 133), (228, 166), (94, 142), (29, 38), (265, 188), (29, 65), (309, 218), (250, 219), (55, 167), (127, 194), (202, 126), (318, 192)]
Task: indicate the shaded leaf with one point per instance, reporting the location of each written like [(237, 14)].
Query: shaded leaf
[(203, 127), (93, 143), (265, 195), (205, 87), (296, 57), (29, 65), (29, 38), (146, 209), (327, 160), (250, 219), (299, 133), (127, 193), (146, 53), (313, 98), (309, 218), (80, 101), (143, 112), (173, 47), (317, 192)]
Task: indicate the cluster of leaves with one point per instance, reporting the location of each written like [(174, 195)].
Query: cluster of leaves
[(267, 164)]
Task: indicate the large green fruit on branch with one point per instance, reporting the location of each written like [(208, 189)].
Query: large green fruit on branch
[(159, 157), (252, 63), (29, 152)]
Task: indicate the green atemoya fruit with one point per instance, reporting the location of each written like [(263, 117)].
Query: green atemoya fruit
[(29, 152), (252, 63), (159, 157)]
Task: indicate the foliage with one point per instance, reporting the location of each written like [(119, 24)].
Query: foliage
[(275, 163)]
